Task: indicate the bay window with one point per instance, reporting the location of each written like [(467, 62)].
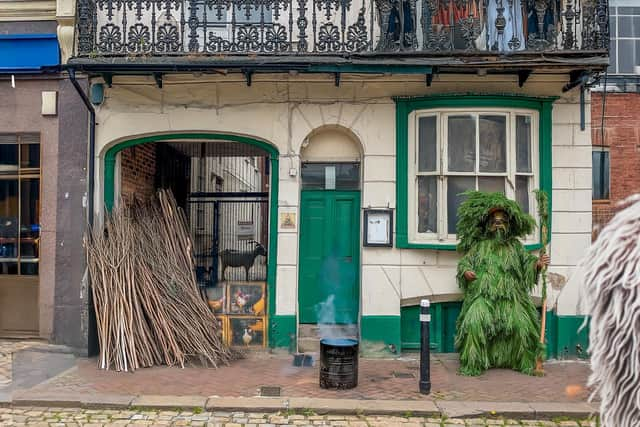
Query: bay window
[(453, 150)]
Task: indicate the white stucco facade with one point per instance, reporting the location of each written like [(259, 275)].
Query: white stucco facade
[(284, 110)]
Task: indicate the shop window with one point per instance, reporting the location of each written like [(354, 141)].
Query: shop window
[(600, 174), (451, 151), (19, 204)]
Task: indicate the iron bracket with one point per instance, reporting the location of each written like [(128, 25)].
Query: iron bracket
[(158, 78), (108, 79), (523, 76), (248, 75)]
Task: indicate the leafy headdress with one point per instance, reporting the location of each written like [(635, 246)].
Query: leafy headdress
[(474, 213)]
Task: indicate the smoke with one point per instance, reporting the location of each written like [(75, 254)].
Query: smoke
[(328, 328), (334, 314)]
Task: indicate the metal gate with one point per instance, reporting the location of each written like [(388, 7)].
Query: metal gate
[(223, 187)]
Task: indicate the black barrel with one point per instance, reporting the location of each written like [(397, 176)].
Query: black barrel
[(338, 363)]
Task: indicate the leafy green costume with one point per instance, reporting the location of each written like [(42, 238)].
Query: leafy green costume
[(498, 326)]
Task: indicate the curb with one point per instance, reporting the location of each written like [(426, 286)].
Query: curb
[(423, 408)]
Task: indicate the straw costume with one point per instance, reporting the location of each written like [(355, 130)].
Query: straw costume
[(499, 325)]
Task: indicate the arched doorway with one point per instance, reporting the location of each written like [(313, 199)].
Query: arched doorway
[(227, 186), (329, 256)]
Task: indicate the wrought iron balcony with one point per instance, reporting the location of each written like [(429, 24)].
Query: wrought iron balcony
[(339, 27)]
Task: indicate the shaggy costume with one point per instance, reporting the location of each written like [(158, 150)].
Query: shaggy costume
[(498, 326), (612, 277)]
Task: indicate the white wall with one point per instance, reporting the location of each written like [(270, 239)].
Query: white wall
[(284, 110)]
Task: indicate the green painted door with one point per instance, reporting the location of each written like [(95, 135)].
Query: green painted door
[(329, 258)]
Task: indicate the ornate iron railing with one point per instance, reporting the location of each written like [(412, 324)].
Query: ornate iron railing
[(338, 27)]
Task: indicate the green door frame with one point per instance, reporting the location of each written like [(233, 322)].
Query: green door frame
[(109, 194), (357, 253)]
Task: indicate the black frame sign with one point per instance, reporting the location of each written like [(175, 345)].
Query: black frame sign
[(378, 227)]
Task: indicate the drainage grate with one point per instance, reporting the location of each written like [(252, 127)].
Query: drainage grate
[(270, 391), (403, 375)]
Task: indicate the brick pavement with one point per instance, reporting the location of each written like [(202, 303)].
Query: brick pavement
[(563, 382), (68, 417)]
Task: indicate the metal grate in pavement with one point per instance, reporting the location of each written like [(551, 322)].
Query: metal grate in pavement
[(403, 375), (270, 391)]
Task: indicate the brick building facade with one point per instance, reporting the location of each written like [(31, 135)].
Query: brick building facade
[(622, 139), (138, 168)]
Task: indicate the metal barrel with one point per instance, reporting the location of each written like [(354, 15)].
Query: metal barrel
[(338, 363)]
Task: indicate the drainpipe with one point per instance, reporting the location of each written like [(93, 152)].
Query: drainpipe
[(92, 342), (92, 144)]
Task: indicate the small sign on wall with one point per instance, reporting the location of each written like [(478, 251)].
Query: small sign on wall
[(246, 230), (378, 227), (287, 219)]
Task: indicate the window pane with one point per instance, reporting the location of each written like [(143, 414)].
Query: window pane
[(493, 143), (629, 26), (29, 220), (522, 192), (461, 145), (251, 14), (523, 144), (29, 268), (427, 204), (341, 176), (613, 58), (455, 186), (600, 174), (427, 155), (626, 60), (8, 226), (30, 155), (8, 157), (491, 184)]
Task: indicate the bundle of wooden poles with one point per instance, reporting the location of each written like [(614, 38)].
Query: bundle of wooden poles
[(148, 307)]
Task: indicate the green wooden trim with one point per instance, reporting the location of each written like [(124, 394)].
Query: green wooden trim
[(272, 263), (282, 331), (378, 333), (404, 107), (109, 189), (566, 339)]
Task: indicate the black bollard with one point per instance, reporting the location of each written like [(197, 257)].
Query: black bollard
[(425, 352)]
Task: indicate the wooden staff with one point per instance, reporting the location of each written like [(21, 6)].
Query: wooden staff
[(543, 212)]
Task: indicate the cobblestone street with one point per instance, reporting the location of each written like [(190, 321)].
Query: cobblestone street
[(54, 417)]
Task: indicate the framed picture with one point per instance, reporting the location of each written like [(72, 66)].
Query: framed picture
[(378, 227), (216, 298), (246, 331), (287, 218), (246, 298)]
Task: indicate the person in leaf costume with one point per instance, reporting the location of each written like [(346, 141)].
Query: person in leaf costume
[(498, 326)]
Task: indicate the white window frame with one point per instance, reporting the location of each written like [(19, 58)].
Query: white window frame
[(442, 236)]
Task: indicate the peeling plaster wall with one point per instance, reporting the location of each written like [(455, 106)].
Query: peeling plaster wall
[(284, 110)]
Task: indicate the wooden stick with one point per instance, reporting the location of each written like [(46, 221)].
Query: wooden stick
[(543, 213), (148, 307)]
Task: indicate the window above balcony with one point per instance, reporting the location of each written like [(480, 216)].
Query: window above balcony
[(291, 33)]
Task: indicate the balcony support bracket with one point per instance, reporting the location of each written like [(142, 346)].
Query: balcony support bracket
[(158, 78), (336, 77), (576, 78), (248, 75), (108, 79), (523, 76)]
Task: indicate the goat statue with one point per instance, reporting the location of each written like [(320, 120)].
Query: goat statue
[(236, 258)]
